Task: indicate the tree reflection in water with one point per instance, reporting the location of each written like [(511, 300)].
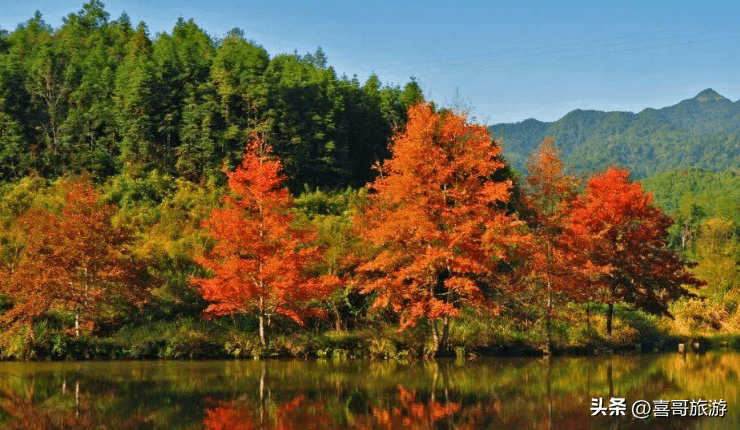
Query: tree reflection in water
[(521, 394), (408, 413), (71, 410)]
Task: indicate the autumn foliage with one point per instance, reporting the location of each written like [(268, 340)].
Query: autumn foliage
[(73, 259), (260, 261), (439, 220), (401, 409), (442, 229), (549, 194), (298, 414), (622, 232), (410, 413)]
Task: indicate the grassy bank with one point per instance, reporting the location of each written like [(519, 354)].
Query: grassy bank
[(575, 332)]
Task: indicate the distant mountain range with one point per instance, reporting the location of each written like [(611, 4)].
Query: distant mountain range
[(702, 132)]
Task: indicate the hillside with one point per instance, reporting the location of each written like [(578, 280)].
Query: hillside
[(700, 132), (104, 97)]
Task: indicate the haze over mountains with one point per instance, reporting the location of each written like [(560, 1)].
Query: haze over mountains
[(699, 132)]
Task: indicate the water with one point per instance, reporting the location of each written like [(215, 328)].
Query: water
[(485, 393)]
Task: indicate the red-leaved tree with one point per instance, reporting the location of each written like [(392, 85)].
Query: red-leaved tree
[(548, 195), (73, 259), (616, 223), (260, 261), (439, 218)]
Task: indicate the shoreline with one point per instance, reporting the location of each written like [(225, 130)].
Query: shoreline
[(100, 350)]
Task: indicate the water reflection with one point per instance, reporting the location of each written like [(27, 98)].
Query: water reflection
[(494, 393)]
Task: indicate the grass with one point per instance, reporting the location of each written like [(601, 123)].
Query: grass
[(470, 335)]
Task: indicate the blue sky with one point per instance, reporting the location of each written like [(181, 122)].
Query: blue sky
[(505, 61)]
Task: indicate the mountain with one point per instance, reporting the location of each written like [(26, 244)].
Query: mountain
[(702, 132)]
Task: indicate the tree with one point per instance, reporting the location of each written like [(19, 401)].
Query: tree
[(625, 235), (439, 220), (136, 95), (548, 196), (331, 215), (90, 50), (259, 261), (74, 259), (305, 104), (718, 252), (238, 74)]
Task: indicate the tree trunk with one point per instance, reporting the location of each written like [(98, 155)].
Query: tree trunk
[(263, 335), (548, 280), (77, 323), (435, 336), (337, 318), (445, 336), (548, 321), (441, 339), (609, 316)]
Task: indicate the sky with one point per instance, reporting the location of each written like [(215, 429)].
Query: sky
[(502, 61)]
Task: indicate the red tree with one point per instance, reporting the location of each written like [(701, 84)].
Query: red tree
[(549, 193), (74, 258), (624, 234), (260, 261), (439, 220)]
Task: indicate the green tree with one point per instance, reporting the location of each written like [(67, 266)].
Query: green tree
[(306, 104), (241, 92), (135, 95)]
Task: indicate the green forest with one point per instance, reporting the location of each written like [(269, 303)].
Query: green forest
[(700, 132), (184, 196)]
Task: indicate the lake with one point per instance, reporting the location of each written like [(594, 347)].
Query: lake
[(494, 393)]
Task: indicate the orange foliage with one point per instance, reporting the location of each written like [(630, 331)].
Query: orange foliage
[(616, 223), (403, 411), (229, 418), (298, 414), (260, 261), (20, 412), (438, 218), (548, 197), (75, 259), (408, 413)]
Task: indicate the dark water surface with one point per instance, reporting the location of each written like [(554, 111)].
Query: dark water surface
[(485, 393)]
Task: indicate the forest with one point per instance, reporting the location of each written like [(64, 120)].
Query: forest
[(184, 196), (700, 132)]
